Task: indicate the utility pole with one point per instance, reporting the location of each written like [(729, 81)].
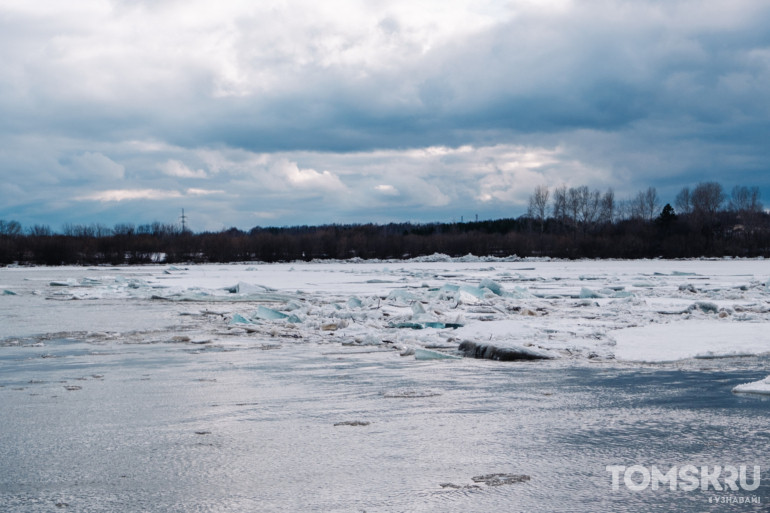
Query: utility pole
[(184, 221)]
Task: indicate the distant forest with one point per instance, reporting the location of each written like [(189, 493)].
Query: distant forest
[(574, 222)]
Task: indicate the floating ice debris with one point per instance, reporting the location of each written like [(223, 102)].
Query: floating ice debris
[(70, 282), (704, 306), (467, 298), (495, 287), (505, 353), (397, 393), (476, 292), (755, 387), (500, 479), (688, 287), (402, 295), (586, 293), (269, 314), (248, 288), (353, 423), (520, 293), (417, 308), (458, 487), (72, 388), (7, 292), (354, 302), (429, 354), (294, 319), (368, 340), (239, 319), (681, 273), (435, 257), (408, 325), (422, 325)]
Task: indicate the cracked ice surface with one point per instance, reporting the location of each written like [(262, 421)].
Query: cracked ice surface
[(648, 311)]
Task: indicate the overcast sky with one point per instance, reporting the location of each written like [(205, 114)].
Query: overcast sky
[(291, 112)]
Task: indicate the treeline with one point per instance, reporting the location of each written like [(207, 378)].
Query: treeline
[(574, 222)]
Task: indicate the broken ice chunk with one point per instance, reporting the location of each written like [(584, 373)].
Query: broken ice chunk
[(70, 282), (417, 308), (495, 287), (505, 353), (239, 319), (408, 325), (402, 295), (294, 319), (248, 288), (269, 314), (586, 293), (704, 306), (520, 293), (354, 302)]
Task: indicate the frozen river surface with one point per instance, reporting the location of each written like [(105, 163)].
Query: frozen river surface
[(320, 387)]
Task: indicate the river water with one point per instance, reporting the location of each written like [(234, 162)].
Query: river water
[(172, 426)]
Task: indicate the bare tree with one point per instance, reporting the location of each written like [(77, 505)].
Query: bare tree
[(636, 206), (645, 204), (40, 230), (538, 205), (573, 205), (607, 207), (683, 201), (10, 228), (589, 206), (745, 202), (651, 203), (744, 199), (559, 207), (707, 198), (623, 209)]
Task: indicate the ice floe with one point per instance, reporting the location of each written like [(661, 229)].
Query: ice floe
[(755, 387)]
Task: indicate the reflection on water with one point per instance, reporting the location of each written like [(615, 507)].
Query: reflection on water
[(180, 427)]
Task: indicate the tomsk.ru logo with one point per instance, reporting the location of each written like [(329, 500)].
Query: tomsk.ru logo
[(686, 478)]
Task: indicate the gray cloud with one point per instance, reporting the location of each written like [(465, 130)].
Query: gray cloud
[(307, 112)]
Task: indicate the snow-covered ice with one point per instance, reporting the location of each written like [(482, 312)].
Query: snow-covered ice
[(638, 311)]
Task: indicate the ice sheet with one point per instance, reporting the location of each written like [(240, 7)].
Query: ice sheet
[(680, 340), (755, 387)]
